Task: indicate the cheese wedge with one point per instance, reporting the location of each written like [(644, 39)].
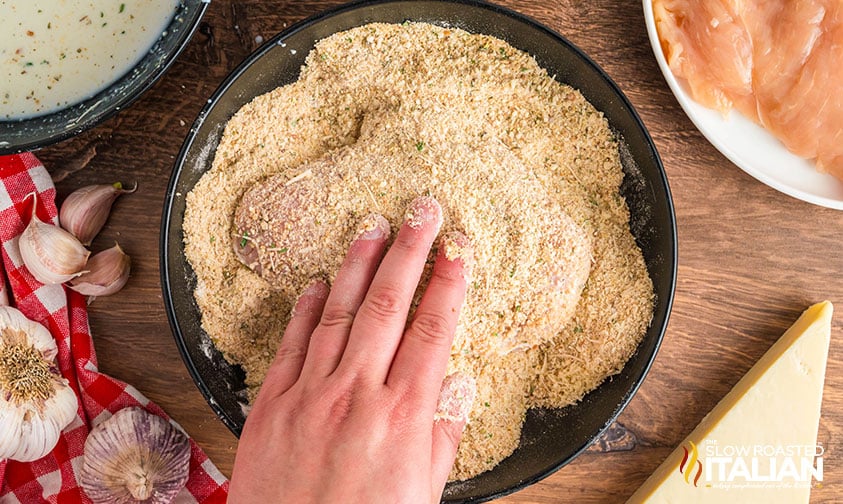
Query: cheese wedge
[(758, 445)]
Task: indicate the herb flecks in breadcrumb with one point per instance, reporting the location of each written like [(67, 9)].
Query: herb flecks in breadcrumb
[(397, 83)]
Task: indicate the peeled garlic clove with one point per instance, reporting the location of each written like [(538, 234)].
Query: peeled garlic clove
[(135, 456), (50, 253), (36, 402), (85, 210), (108, 272)]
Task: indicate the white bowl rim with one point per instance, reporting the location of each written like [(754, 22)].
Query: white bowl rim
[(746, 144)]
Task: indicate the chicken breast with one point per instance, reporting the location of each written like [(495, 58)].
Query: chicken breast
[(707, 44), (532, 262), (776, 61)]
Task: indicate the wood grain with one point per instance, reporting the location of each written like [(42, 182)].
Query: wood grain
[(750, 258)]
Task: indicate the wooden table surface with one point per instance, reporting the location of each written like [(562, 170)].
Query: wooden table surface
[(750, 259)]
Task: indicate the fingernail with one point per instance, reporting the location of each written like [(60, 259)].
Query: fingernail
[(422, 210), (373, 227), (456, 397), (455, 245), (311, 298), (317, 289)]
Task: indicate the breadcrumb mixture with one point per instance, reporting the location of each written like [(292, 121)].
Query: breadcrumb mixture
[(522, 165), (526, 283)]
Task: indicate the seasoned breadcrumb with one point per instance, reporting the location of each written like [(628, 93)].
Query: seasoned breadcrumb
[(522, 147)]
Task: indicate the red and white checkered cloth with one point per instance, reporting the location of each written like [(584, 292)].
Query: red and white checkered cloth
[(55, 477)]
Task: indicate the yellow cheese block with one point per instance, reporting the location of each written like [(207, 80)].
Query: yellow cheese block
[(759, 444)]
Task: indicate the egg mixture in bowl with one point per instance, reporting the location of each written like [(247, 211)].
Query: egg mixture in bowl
[(67, 65)]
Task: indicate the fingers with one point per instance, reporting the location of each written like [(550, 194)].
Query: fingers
[(350, 285), (290, 356), (422, 357), (380, 321), (446, 440), (456, 398)]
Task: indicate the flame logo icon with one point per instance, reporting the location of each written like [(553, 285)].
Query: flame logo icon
[(687, 465)]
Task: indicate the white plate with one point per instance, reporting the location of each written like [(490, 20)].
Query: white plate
[(748, 145)]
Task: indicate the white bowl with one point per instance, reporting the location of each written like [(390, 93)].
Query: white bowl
[(752, 148)]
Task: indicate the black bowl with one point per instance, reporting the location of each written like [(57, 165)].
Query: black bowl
[(550, 438), (40, 131)]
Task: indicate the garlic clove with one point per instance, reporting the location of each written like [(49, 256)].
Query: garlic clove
[(50, 253), (85, 210), (11, 420), (108, 271), (36, 402), (135, 456), (31, 430)]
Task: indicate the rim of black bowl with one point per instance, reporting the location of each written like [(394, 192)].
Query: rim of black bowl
[(70, 121), (663, 306)]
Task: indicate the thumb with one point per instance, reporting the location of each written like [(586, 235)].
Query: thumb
[(456, 398)]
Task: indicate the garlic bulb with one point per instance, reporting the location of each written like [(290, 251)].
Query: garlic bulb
[(108, 272), (36, 402), (85, 210), (135, 456), (50, 253)]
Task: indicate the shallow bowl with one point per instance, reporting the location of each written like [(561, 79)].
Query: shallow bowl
[(43, 130), (745, 143), (550, 438)]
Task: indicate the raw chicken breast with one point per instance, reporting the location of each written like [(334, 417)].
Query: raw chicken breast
[(779, 62), (707, 44)]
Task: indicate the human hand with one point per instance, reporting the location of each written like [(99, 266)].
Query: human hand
[(346, 412)]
